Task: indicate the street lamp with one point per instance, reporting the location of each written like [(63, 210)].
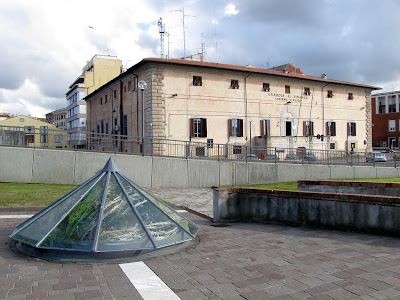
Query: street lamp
[(142, 85)]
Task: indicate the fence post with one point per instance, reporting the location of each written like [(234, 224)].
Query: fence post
[(395, 162), (218, 152), (245, 147), (351, 159), (275, 157)]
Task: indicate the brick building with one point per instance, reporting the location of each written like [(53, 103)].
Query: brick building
[(386, 120)]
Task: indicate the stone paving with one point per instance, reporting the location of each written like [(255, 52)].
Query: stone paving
[(239, 261)]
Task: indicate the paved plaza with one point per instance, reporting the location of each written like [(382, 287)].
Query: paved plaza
[(238, 261)]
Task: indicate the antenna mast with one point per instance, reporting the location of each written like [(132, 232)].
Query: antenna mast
[(183, 26), (203, 47), (161, 30)]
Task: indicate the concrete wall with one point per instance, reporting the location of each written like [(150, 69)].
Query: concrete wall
[(29, 165), (364, 213), (350, 187)]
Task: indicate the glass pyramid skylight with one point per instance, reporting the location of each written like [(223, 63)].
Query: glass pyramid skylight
[(106, 213)]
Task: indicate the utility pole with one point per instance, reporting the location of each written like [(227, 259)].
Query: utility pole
[(183, 26)]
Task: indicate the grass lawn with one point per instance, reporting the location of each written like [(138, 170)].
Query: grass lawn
[(292, 186), (32, 194)]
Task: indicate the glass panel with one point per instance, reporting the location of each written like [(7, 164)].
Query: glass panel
[(78, 229), (120, 228), (185, 223), (162, 229), (35, 231)]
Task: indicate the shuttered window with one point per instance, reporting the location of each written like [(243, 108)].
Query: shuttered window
[(198, 127), (308, 128), (265, 128), (235, 127)]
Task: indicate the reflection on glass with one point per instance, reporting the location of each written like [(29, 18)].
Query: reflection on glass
[(120, 229), (163, 230), (77, 230), (35, 231)]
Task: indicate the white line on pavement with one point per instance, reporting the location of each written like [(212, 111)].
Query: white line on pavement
[(146, 282), (15, 216), (181, 211)]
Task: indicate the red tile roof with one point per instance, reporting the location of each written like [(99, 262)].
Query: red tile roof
[(252, 70)]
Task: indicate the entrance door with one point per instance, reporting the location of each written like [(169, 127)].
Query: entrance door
[(288, 128), (392, 142)]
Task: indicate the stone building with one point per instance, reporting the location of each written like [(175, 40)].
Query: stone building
[(232, 105), (58, 117)]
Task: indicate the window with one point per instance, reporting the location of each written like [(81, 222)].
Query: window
[(331, 128), (102, 126), (235, 127), (115, 124), (237, 149), (234, 84), (308, 128), (265, 87), (44, 130), (125, 89), (198, 127), (332, 146), (115, 94), (350, 97), (287, 89), (392, 125), (200, 151), (105, 98), (129, 85), (29, 129), (197, 81), (307, 91), (98, 128), (265, 128), (330, 94), (210, 143), (101, 101), (351, 129), (381, 105), (125, 129), (392, 104), (58, 138)]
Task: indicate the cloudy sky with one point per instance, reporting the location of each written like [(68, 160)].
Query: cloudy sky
[(45, 43)]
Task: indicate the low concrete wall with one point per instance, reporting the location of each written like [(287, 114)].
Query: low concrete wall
[(30, 165), (350, 187), (373, 214)]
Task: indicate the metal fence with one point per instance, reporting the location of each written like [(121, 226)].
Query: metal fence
[(41, 138)]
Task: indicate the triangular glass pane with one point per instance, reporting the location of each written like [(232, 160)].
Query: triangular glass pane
[(77, 230), (120, 228), (185, 223), (38, 229), (162, 229)]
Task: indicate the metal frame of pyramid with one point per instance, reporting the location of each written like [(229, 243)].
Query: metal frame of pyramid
[(108, 213)]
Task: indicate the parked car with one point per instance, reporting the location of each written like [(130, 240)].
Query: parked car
[(292, 157), (272, 157), (252, 157), (377, 156), (310, 157)]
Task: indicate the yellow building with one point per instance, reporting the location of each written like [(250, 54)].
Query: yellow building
[(97, 72), (30, 132)]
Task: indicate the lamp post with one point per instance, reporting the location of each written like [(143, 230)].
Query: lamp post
[(142, 85), (250, 134)]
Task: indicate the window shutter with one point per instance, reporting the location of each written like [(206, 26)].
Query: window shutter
[(333, 128), (240, 127), (348, 129), (304, 128), (312, 128), (268, 127), (262, 131), (327, 129), (191, 127), (355, 132), (230, 127), (203, 127)]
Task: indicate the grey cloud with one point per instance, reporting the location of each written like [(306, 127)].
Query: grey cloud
[(147, 41)]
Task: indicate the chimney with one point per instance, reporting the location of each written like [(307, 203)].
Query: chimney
[(323, 76)]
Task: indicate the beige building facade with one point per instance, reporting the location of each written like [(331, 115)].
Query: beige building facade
[(233, 105)]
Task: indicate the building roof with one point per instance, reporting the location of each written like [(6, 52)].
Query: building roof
[(385, 93), (291, 73)]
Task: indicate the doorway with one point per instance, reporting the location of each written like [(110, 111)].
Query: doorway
[(288, 128)]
